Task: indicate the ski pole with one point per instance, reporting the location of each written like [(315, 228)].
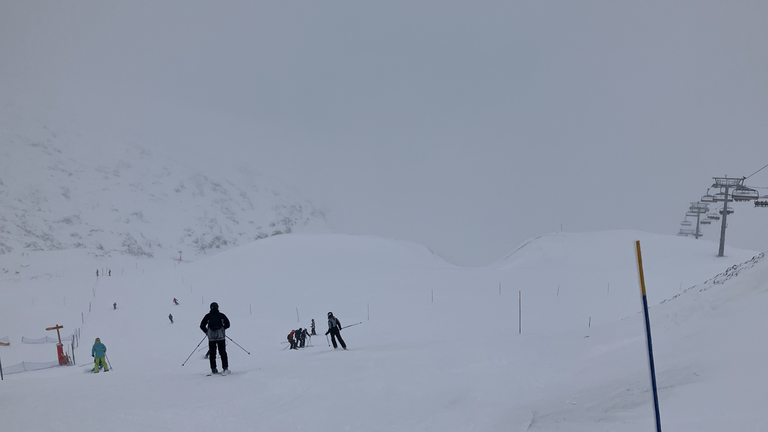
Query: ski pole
[(108, 363), (327, 340), (353, 324), (238, 345), (193, 351)]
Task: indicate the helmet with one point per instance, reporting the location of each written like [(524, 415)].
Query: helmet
[(98, 340), (330, 314), (214, 306)]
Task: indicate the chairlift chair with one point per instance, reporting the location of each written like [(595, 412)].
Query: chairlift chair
[(744, 194), (713, 216), (730, 211), (707, 198), (705, 222), (685, 223)]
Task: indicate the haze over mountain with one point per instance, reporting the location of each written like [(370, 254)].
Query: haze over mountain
[(66, 183)]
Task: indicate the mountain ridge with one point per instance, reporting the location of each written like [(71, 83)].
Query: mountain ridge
[(63, 189)]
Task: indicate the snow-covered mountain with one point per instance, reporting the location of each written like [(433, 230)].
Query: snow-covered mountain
[(64, 185)]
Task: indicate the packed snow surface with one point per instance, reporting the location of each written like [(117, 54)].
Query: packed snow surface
[(439, 347)]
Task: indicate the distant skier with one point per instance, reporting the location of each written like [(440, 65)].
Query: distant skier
[(170, 317), (313, 327), (334, 328), (110, 273), (304, 334), (97, 273), (99, 352), (292, 339), (176, 302), (114, 305), (215, 324)]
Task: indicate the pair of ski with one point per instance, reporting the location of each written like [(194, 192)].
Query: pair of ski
[(222, 373)]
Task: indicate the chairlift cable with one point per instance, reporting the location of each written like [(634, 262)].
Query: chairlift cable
[(756, 172)]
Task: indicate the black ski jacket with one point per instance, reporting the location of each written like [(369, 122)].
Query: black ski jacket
[(214, 324)]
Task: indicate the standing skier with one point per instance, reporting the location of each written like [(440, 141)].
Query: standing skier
[(214, 324), (313, 327), (334, 328), (99, 352)]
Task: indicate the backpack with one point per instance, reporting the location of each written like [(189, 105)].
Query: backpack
[(215, 322)]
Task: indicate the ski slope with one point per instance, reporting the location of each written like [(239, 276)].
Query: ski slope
[(438, 348)]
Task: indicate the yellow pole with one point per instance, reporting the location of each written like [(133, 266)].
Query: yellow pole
[(640, 267)]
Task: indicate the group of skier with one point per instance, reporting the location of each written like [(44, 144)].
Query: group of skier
[(297, 338), (215, 324)]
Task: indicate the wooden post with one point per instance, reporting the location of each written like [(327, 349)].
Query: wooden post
[(56, 327)]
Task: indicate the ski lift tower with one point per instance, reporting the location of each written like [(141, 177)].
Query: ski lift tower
[(697, 209), (730, 189)]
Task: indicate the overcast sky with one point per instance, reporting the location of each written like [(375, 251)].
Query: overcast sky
[(465, 126)]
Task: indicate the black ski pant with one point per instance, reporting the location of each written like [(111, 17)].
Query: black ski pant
[(222, 346), (335, 333)]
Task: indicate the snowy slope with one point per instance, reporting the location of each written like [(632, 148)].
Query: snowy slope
[(574, 276), (68, 184), (440, 351)]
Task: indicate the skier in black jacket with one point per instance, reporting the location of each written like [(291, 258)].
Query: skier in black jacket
[(334, 328), (214, 324)]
